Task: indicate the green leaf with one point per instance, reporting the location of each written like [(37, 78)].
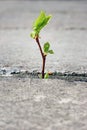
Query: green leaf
[(33, 34), (46, 47), (50, 52), (40, 22), (46, 76)]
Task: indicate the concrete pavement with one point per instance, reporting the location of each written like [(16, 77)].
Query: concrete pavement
[(31, 104), (35, 104), (66, 32)]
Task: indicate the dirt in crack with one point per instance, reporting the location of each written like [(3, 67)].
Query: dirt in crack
[(69, 76)]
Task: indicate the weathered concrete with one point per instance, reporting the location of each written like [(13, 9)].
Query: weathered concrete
[(66, 32), (31, 104)]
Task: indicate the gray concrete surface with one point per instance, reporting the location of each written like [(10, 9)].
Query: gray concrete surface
[(30, 104), (66, 33), (35, 104)]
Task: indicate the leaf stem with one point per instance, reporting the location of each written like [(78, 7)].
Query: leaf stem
[(43, 56), (37, 40), (43, 66)]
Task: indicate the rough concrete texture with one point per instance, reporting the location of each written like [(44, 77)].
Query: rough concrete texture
[(31, 104), (66, 32)]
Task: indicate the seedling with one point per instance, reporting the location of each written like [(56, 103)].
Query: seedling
[(38, 25)]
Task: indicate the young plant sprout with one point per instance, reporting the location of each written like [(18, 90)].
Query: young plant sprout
[(38, 25)]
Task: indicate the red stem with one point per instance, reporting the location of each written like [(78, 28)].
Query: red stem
[(43, 57), (43, 66)]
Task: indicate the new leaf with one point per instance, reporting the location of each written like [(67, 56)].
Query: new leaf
[(47, 49), (39, 23)]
